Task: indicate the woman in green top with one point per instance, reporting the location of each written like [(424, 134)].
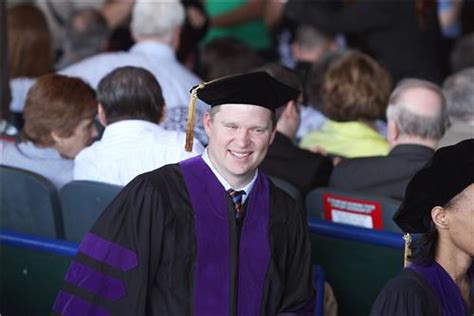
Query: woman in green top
[(241, 19)]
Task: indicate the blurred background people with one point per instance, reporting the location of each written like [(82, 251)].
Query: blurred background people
[(355, 93), (417, 119), (156, 42), (225, 56), (311, 117), (404, 37), (59, 121), (240, 19), (285, 160), (309, 47), (131, 106), (30, 52), (462, 55), (86, 34), (459, 91), (6, 128)]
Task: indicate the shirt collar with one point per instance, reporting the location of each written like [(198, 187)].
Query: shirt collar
[(153, 48), (247, 188)]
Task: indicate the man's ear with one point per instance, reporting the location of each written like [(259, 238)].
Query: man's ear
[(439, 217), (55, 136), (292, 108), (393, 133), (295, 50), (207, 120), (175, 39), (273, 136), (101, 114), (164, 111)]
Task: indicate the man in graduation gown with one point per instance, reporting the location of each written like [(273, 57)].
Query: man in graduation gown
[(207, 236)]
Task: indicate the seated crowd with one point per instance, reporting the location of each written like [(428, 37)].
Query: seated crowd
[(351, 115)]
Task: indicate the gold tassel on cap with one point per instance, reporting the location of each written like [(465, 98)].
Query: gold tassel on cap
[(191, 114), (407, 238)]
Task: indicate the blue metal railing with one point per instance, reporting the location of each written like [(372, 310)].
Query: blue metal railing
[(364, 235), (316, 226), (54, 246)]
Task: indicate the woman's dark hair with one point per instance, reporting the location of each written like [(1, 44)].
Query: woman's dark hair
[(30, 52), (131, 93), (423, 248)]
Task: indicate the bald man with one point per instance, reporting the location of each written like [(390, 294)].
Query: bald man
[(417, 119)]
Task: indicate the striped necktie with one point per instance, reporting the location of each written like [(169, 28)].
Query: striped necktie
[(236, 197)]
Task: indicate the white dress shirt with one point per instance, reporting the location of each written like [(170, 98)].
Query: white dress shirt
[(175, 80), (128, 148), (246, 188)]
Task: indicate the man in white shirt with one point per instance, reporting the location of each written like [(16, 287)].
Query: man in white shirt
[(155, 27), (130, 107)]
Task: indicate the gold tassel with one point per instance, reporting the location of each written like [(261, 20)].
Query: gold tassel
[(191, 114), (407, 238)]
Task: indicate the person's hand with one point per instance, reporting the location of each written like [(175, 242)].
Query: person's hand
[(336, 161), (195, 17), (318, 150)]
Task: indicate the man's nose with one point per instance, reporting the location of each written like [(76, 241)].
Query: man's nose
[(243, 137)]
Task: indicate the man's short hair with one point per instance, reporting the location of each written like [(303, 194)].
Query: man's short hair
[(414, 124), (56, 103), (86, 31), (308, 37), (314, 85), (157, 18), (226, 56), (131, 93), (355, 88), (285, 75), (459, 92), (462, 55)]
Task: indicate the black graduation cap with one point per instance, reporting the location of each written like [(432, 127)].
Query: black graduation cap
[(450, 171), (256, 88)]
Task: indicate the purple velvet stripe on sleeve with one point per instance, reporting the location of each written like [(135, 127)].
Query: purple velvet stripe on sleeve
[(443, 287), (93, 281), (254, 252), (211, 278), (69, 305), (107, 252)]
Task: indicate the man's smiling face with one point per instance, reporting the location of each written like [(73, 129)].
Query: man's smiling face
[(239, 137)]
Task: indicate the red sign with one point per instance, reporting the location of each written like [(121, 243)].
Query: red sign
[(344, 210)]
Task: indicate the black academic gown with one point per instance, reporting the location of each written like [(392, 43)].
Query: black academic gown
[(407, 294), (140, 257)]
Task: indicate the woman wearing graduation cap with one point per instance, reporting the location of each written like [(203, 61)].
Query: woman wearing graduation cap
[(439, 204), (210, 235)]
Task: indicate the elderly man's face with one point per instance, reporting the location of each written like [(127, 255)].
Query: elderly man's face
[(239, 137)]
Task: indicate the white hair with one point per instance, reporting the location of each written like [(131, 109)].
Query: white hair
[(459, 92), (415, 124), (157, 18)]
